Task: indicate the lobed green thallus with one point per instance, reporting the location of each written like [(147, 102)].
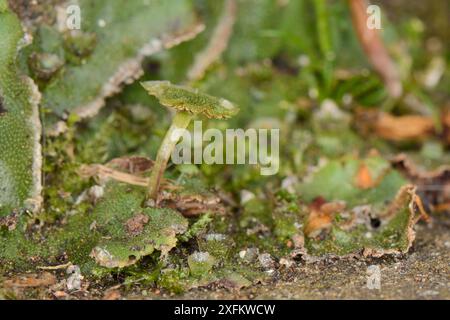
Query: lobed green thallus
[(187, 102)]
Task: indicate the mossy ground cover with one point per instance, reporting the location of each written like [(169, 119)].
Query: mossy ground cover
[(337, 196)]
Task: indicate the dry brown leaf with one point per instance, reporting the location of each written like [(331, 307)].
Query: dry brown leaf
[(374, 48), (60, 294), (112, 294), (409, 127), (421, 209), (133, 164), (103, 173), (31, 280), (317, 221), (394, 128), (191, 205), (128, 170), (321, 216), (135, 225), (433, 186), (58, 267)]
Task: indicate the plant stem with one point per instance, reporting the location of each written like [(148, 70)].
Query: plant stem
[(325, 44), (180, 121)]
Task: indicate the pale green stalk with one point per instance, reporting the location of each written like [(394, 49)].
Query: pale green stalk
[(180, 121)]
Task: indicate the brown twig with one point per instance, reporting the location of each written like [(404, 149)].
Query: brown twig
[(217, 44), (375, 49)]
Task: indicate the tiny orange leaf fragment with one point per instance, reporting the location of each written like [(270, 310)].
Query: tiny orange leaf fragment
[(364, 178), (321, 216)]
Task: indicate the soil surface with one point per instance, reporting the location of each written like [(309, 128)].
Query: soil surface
[(424, 273)]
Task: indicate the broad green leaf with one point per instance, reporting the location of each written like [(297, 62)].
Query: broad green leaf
[(129, 231), (376, 215), (336, 181), (110, 47)]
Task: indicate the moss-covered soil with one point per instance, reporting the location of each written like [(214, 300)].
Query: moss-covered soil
[(363, 179)]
